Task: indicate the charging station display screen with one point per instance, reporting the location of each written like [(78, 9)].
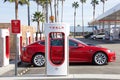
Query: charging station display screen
[(56, 48)]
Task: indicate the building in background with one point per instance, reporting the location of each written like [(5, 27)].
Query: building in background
[(78, 30)]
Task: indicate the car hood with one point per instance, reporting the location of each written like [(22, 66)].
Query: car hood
[(97, 47)]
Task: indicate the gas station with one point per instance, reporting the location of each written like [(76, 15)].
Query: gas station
[(109, 23)]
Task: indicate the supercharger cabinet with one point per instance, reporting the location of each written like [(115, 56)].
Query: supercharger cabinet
[(4, 47), (57, 48)]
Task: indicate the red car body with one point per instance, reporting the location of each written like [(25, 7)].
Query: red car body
[(80, 52)]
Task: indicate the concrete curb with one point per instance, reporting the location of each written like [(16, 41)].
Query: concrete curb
[(70, 77), (6, 69)]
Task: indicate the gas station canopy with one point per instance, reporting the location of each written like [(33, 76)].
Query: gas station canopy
[(112, 16)]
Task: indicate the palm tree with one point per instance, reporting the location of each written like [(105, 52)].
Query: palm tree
[(40, 2), (103, 1), (75, 5), (82, 1), (44, 3), (21, 2), (94, 3), (38, 17)]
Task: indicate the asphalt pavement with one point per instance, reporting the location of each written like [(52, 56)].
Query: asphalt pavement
[(8, 71)]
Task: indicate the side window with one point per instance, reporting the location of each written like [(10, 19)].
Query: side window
[(72, 43), (57, 42)]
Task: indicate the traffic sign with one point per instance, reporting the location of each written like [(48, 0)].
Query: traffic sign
[(15, 26)]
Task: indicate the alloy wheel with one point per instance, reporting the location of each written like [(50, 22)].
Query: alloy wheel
[(39, 60), (100, 58)]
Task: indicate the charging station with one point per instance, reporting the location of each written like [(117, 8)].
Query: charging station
[(28, 40), (34, 37), (19, 45), (4, 47), (57, 48)]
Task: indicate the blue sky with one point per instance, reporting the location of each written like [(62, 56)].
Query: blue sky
[(7, 11)]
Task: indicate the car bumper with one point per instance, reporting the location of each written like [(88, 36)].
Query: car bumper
[(25, 58), (111, 57)]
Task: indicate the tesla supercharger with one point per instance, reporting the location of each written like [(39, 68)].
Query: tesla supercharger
[(57, 51), (42, 36), (34, 37), (19, 45), (4, 47), (28, 41)]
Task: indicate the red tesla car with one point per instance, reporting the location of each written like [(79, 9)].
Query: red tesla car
[(78, 52)]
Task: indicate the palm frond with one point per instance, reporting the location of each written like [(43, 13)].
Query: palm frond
[(22, 2)]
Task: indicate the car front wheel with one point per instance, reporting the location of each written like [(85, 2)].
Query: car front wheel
[(38, 60), (100, 58)]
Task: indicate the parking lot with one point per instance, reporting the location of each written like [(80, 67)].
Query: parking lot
[(79, 68)]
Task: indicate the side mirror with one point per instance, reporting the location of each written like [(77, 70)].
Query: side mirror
[(80, 45)]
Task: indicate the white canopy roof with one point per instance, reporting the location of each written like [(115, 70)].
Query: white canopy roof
[(112, 16)]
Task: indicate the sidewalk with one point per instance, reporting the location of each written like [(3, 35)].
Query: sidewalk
[(6, 69), (10, 67), (69, 77)]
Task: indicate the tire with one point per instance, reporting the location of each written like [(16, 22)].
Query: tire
[(100, 58), (94, 38), (38, 60)]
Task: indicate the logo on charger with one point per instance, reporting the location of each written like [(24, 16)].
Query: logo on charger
[(56, 27)]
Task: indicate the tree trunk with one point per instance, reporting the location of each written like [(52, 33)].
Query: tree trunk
[(55, 10), (51, 8), (74, 22), (82, 21), (28, 13), (62, 12), (38, 31), (103, 12), (38, 27), (47, 11), (37, 7), (103, 6), (16, 9), (94, 12)]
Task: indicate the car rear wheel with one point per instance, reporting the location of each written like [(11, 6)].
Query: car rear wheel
[(38, 60), (100, 58), (94, 38)]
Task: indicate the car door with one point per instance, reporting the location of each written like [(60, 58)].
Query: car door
[(57, 51), (78, 52), (100, 35)]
